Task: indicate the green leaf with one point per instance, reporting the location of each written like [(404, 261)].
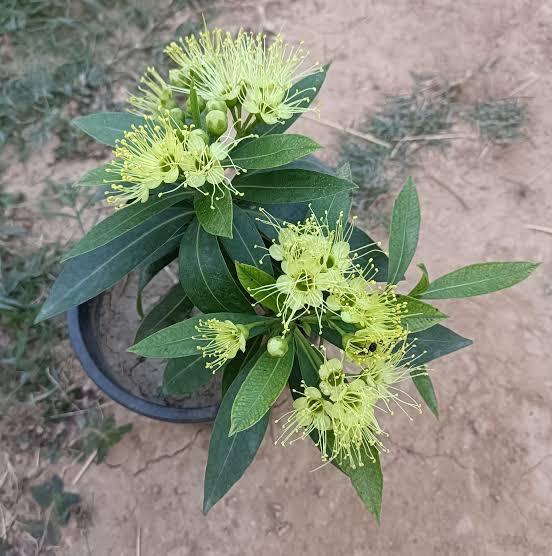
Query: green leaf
[(423, 282), (181, 339), (215, 219), (245, 239), (337, 205), (151, 269), (205, 276), (185, 374), (88, 275), (251, 277), (194, 106), (96, 176), (309, 359), (107, 127), (435, 342), (425, 388), (124, 220), (289, 186), (229, 456), (334, 331), (478, 279), (358, 241), (261, 389), (306, 88), (172, 308), (404, 231), (52, 496), (368, 482), (419, 315), (271, 151)]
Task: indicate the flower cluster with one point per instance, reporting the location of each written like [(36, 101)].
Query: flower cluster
[(162, 151), (244, 70)]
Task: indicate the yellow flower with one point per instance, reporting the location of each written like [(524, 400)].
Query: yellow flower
[(221, 341), (156, 95), (149, 155), (310, 413)]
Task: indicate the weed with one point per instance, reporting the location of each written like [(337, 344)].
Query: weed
[(498, 120)]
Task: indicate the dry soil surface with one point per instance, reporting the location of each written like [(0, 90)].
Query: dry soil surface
[(478, 480)]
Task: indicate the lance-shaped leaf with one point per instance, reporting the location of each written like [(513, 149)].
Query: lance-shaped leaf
[(229, 456), (289, 186), (251, 278), (181, 339), (404, 231), (246, 245), (309, 359), (214, 212), (96, 176), (307, 89), (423, 282), (367, 249), (419, 315), (425, 388), (435, 342), (205, 276), (185, 374), (261, 389), (478, 279), (368, 482), (337, 206), (88, 275), (175, 306), (124, 220), (271, 151), (107, 127)]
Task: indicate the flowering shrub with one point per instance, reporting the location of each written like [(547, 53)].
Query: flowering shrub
[(269, 254)]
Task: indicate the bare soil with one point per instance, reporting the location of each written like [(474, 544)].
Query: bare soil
[(478, 481)]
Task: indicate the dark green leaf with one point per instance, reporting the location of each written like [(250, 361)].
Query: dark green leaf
[(185, 374), (337, 206), (306, 88), (88, 275), (215, 218), (175, 306), (205, 276), (478, 279), (419, 315), (289, 186), (251, 277), (246, 245), (147, 272), (360, 241), (309, 359), (229, 456), (404, 231), (368, 482), (271, 151), (435, 342), (181, 339), (261, 389), (107, 127), (335, 330), (124, 220), (425, 388), (423, 282)]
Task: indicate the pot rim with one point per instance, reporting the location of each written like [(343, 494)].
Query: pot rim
[(80, 326)]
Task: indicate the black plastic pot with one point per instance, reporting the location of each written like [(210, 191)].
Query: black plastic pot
[(83, 332)]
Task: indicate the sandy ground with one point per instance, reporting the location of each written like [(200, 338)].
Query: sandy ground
[(479, 480)]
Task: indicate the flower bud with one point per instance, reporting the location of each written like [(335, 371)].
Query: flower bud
[(177, 115), (177, 78), (277, 346), (215, 105), (201, 133), (217, 122)]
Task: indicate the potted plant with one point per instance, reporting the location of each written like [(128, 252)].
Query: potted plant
[(287, 290)]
